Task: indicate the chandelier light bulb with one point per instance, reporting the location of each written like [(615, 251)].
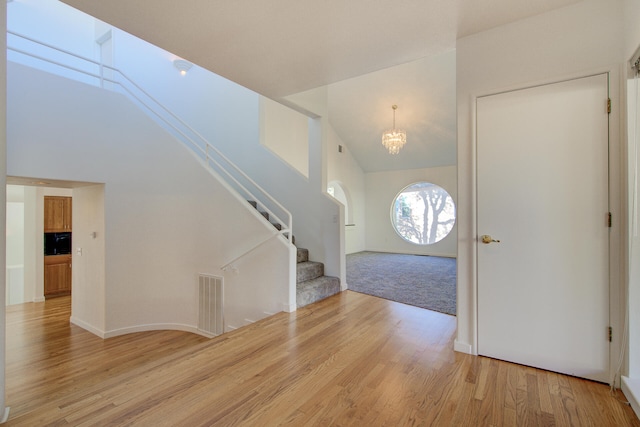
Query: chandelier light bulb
[(394, 139)]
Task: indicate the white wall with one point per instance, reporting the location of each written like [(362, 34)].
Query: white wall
[(228, 116), (343, 168), (543, 48), (33, 246), (88, 257), (15, 247), (3, 218), (166, 218), (631, 27), (286, 133), (317, 222), (631, 44), (57, 24), (381, 191)]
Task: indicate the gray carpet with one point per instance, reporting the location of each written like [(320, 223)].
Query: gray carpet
[(424, 281)]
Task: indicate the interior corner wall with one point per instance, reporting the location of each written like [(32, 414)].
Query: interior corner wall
[(88, 257), (32, 245), (631, 383), (316, 219), (286, 133), (381, 190), (343, 168), (228, 116), (631, 28), (55, 23), (167, 219), (15, 245), (543, 48), (3, 201)]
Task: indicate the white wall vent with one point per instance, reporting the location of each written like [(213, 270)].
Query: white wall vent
[(211, 304)]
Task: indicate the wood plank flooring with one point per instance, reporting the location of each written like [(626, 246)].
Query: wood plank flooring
[(351, 359)]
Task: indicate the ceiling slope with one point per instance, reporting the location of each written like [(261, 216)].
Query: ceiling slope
[(281, 47)]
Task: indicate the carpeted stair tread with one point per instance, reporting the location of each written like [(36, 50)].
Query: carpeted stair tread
[(313, 290), (303, 255), (265, 214), (308, 270), (311, 283)]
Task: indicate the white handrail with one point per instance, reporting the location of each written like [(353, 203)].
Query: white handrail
[(206, 151), (247, 252)]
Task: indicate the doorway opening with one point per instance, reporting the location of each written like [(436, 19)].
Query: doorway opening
[(421, 214), (26, 266)]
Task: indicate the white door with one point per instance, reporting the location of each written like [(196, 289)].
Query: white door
[(542, 191)]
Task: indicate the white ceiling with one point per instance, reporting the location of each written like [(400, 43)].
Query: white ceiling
[(372, 53), (425, 93)]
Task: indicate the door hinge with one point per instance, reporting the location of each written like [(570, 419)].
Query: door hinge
[(608, 105), (610, 333), (609, 220)]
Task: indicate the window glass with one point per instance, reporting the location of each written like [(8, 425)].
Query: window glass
[(423, 213)]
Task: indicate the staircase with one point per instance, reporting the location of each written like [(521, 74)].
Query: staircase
[(311, 283)]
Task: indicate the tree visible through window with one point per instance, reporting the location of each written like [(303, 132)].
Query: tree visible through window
[(423, 213)]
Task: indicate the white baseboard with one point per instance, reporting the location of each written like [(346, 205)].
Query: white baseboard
[(139, 328), (289, 308), (155, 327), (84, 325), (5, 416), (462, 347), (631, 390)]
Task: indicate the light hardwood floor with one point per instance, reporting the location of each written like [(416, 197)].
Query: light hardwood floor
[(351, 359)]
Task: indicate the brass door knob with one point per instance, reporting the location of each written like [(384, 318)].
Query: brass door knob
[(486, 239)]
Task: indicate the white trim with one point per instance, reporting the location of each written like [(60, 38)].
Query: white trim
[(289, 308), (156, 327), (106, 36), (5, 416), (463, 347), (138, 328), (631, 390), (84, 325)]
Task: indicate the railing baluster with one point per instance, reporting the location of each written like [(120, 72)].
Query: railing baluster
[(213, 158)]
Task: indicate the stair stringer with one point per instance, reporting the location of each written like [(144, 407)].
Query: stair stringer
[(290, 304), (164, 277), (318, 223)]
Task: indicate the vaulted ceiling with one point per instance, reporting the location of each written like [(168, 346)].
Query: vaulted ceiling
[(371, 54)]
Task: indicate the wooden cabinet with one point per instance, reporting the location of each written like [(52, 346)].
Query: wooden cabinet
[(57, 214), (57, 275)]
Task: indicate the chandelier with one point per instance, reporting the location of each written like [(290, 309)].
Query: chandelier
[(394, 139)]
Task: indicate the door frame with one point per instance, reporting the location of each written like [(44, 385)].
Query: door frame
[(617, 199)]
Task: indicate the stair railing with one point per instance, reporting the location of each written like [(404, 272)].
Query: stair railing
[(248, 251), (216, 162)]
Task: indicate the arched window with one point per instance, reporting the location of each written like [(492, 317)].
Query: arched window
[(423, 213)]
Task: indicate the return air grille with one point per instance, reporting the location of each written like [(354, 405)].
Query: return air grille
[(211, 304)]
